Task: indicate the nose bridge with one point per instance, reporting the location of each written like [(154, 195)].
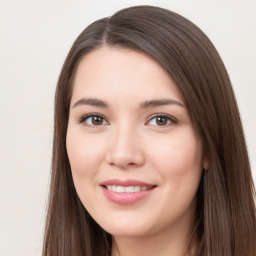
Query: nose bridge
[(125, 149)]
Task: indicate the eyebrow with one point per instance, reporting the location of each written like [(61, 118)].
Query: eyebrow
[(92, 102), (145, 104), (161, 102)]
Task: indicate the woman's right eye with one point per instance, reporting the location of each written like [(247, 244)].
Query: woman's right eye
[(93, 120)]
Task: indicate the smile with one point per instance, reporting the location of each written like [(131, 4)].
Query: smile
[(126, 192), (126, 189)]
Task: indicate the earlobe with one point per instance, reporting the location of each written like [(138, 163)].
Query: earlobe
[(205, 163)]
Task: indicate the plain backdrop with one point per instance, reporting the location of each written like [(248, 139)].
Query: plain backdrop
[(35, 36)]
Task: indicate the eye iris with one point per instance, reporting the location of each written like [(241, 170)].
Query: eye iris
[(96, 120), (160, 120)]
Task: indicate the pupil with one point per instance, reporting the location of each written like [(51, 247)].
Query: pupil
[(161, 120), (96, 120)]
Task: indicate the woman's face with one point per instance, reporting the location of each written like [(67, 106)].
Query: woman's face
[(135, 157)]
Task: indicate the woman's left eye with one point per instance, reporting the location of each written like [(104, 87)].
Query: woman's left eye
[(161, 120)]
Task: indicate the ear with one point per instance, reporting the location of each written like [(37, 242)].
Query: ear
[(205, 163)]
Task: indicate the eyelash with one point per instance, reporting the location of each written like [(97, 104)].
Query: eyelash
[(170, 119), (91, 115)]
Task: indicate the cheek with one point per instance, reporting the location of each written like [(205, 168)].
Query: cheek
[(179, 154), (84, 154), (85, 157), (178, 160)]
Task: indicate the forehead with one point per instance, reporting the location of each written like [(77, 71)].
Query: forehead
[(108, 72)]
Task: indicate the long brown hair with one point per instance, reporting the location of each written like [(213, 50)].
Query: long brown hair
[(225, 200)]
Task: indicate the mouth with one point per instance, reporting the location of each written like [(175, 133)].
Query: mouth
[(127, 189), (126, 192)]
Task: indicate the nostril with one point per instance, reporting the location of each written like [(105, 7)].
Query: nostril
[(131, 164)]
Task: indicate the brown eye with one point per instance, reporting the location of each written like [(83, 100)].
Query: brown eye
[(97, 120), (161, 120), (93, 120)]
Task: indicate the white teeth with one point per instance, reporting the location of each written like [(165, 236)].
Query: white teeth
[(129, 189), (119, 189), (137, 189)]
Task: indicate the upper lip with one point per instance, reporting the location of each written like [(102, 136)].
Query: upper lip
[(126, 183)]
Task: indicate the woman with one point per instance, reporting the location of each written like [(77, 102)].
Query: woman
[(149, 156)]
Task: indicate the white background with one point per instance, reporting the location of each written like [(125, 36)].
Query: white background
[(35, 36)]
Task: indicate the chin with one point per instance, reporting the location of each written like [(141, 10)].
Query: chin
[(128, 231), (132, 228)]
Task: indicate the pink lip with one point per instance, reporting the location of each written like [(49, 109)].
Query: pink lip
[(126, 183), (126, 198)]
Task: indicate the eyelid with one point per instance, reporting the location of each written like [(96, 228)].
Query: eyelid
[(84, 117), (171, 118)]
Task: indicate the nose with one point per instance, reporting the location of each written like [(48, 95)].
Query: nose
[(125, 150)]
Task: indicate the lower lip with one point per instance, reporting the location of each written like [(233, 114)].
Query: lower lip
[(126, 198)]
